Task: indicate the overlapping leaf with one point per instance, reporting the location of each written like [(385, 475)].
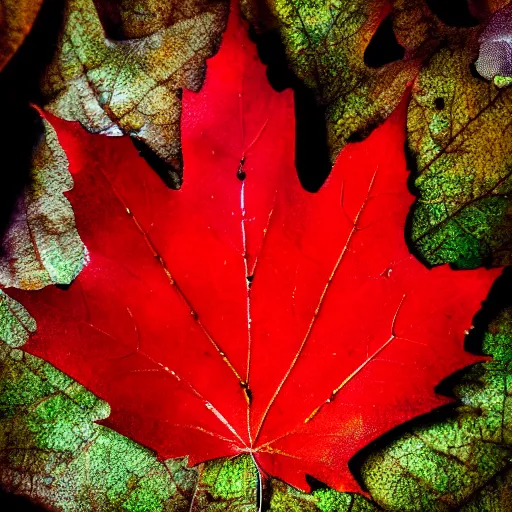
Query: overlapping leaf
[(462, 463), (458, 125), (41, 245), (133, 86), (325, 44), (458, 463)]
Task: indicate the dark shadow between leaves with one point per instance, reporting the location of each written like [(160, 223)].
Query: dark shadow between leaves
[(454, 13), (22, 128), (413, 173), (169, 175), (383, 47), (312, 159), (460, 264), (11, 503)]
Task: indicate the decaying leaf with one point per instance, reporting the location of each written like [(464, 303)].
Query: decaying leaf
[(459, 133), (47, 427), (284, 498), (52, 451), (325, 44), (458, 125), (41, 245), (133, 86), (16, 324), (16, 19), (229, 317)]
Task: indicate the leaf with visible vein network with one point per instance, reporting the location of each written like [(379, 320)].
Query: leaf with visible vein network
[(41, 245), (241, 314), (357, 57), (129, 79)]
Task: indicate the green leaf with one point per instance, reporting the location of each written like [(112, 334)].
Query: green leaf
[(458, 124), (287, 499), (16, 324), (325, 44), (459, 135), (52, 451)]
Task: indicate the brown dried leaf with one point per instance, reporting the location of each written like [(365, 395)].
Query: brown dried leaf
[(133, 86)]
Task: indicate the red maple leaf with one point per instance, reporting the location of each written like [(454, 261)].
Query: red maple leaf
[(242, 314)]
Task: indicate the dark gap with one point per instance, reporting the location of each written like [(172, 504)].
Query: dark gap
[(454, 13), (497, 300), (264, 494), (447, 386), (356, 463), (11, 503), (22, 127), (168, 174), (383, 47), (475, 74), (439, 103), (315, 484), (109, 14), (362, 134), (18, 136), (312, 159), (64, 287), (480, 9)]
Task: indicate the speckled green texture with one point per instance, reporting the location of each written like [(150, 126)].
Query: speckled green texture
[(134, 86), (502, 81), (16, 324), (53, 451), (52, 448), (460, 144), (287, 499), (42, 245), (459, 134)]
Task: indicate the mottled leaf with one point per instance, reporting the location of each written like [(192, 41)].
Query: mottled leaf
[(458, 125), (41, 245), (209, 318), (288, 499), (459, 134), (52, 451), (16, 324), (325, 43), (133, 86), (495, 53)]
